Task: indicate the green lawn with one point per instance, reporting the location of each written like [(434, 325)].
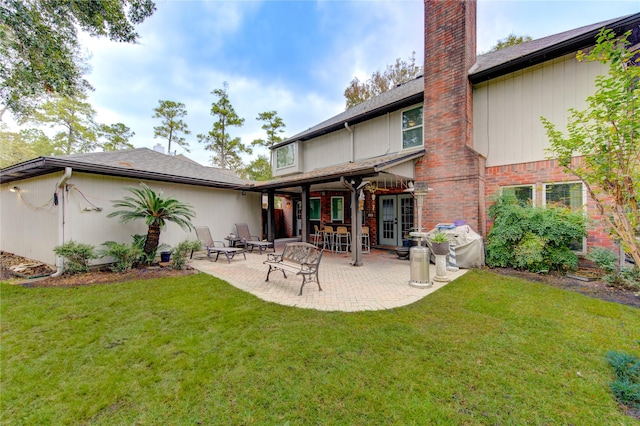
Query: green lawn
[(485, 349)]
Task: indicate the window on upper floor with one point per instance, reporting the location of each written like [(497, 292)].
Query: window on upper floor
[(285, 156), (523, 193), (412, 128)]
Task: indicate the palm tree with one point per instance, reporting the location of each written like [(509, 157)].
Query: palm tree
[(156, 211)]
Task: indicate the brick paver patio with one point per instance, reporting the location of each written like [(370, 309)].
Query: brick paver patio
[(381, 283)]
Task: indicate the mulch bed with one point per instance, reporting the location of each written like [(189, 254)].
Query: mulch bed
[(38, 276)]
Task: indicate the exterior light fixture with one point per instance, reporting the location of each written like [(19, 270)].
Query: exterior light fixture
[(15, 189)]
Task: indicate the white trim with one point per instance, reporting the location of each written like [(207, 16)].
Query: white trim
[(291, 146), (421, 126), (530, 185), (584, 204)]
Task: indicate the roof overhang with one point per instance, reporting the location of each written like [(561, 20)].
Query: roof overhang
[(327, 175), (355, 119), (554, 50), (46, 165)]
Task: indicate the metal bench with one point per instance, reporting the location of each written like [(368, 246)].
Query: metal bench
[(297, 258)]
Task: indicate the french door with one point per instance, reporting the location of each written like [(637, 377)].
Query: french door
[(395, 218)]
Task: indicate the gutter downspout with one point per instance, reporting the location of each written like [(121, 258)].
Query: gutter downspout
[(61, 184), (346, 126)]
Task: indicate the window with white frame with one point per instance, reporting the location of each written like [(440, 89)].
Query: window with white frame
[(285, 156), (412, 128), (525, 194), (314, 209), (337, 209), (568, 194)]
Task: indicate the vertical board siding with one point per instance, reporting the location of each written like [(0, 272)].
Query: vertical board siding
[(507, 110), (373, 138)]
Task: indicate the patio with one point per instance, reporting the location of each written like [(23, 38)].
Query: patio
[(381, 283)]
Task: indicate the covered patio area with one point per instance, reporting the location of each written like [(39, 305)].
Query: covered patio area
[(382, 284)]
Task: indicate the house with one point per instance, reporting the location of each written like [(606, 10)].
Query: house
[(47, 201), (466, 130), (433, 150)]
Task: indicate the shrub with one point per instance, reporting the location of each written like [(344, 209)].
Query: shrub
[(76, 255), (139, 242), (615, 276), (180, 252), (125, 255), (626, 386), (533, 238)]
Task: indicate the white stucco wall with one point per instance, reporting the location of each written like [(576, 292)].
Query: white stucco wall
[(29, 223)]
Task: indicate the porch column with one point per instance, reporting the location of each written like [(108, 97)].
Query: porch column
[(356, 223), (305, 224), (271, 217)]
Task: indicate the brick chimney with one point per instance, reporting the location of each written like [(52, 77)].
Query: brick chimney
[(451, 168)]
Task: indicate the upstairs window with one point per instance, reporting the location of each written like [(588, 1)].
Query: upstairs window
[(285, 156), (412, 128)]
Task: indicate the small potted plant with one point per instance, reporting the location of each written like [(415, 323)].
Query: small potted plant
[(439, 243)]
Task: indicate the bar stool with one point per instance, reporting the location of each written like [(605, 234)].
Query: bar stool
[(366, 242), (327, 237), (342, 239), (316, 238)]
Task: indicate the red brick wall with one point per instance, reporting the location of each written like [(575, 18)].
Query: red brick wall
[(539, 173), (453, 170)]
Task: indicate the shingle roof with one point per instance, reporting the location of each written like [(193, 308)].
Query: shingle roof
[(487, 66), (367, 167), (523, 55), (401, 96), (140, 163)]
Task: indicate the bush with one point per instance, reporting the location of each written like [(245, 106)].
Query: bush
[(126, 256), (533, 238), (139, 242), (76, 255), (180, 252), (615, 276), (626, 386)]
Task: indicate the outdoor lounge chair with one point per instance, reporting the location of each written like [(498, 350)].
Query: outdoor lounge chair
[(217, 247), (252, 241)]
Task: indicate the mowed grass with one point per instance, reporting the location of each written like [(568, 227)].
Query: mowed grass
[(485, 349)]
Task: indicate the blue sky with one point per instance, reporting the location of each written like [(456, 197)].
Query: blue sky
[(295, 57)]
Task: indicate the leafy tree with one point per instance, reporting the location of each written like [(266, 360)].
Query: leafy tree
[(171, 114), (39, 48), (24, 145), (381, 81), (226, 151), (606, 136), (76, 117), (116, 136), (155, 210), (510, 40), (14, 150), (273, 125), (258, 169)]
